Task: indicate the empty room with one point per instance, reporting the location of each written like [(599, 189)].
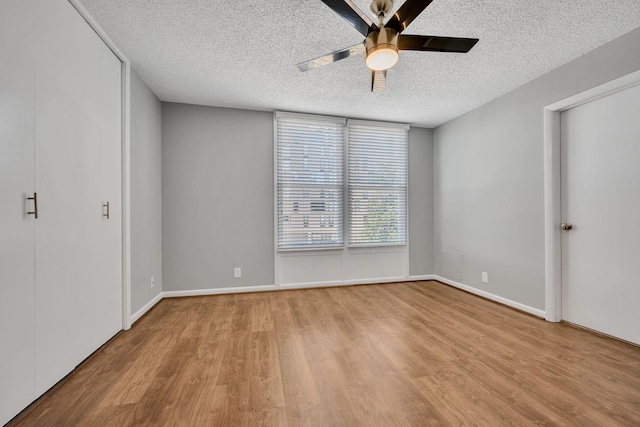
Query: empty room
[(319, 213)]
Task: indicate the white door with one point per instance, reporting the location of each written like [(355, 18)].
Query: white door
[(600, 163), (16, 226), (108, 299), (75, 89)]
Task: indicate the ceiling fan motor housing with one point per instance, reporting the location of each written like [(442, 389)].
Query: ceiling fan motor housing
[(378, 41)]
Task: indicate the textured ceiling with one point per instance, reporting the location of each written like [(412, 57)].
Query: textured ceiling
[(242, 54)]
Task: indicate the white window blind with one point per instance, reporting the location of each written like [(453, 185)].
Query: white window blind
[(377, 184), (309, 182)]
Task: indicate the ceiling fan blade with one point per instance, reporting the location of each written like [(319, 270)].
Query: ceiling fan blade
[(331, 58), (406, 14), (435, 44), (378, 80), (354, 16)]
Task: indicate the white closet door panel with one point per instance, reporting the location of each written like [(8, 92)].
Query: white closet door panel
[(109, 302), (17, 228), (69, 250)]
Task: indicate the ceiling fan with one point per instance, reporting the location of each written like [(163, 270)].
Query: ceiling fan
[(383, 41)]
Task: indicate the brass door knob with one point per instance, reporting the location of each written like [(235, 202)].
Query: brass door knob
[(567, 226)]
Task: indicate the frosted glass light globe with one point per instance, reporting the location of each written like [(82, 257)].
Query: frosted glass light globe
[(382, 59)]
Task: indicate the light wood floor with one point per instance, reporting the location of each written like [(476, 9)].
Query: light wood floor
[(413, 354)]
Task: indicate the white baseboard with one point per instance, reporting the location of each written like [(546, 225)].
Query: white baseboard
[(148, 306), (219, 291), (422, 277), (353, 282), (266, 288), (496, 298)]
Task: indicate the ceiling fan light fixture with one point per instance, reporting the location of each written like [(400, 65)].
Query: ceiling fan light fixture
[(382, 49), (382, 57)]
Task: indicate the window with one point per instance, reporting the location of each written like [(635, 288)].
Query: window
[(310, 185), (377, 184), (309, 181)]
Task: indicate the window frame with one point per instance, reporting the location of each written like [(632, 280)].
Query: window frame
[(346, 203), (347, 231), (338, 120)]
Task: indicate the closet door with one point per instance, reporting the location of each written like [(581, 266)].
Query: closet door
[(74, 301), (16, 226), (108, 300)]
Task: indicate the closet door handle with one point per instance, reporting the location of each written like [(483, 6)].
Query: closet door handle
[(105, 215), (34, 212)]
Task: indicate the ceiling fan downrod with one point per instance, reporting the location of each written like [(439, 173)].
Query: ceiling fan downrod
[(381, 8)]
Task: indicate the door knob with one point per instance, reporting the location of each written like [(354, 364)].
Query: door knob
[(566, 226)]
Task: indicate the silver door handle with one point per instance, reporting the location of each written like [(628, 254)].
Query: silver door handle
[(566, 226), (34, 212), (105, 215)]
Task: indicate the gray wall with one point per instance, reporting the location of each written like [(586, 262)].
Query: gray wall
[(146, 206), (489, 184), (420, 201), (217, 197)]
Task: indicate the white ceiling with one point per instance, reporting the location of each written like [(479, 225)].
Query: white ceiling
[(242, 53)]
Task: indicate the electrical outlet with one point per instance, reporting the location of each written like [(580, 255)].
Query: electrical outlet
[(153, 282), (485, 277), (237, 273)]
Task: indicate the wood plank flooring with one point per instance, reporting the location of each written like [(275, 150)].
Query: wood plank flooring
[(407, 354)]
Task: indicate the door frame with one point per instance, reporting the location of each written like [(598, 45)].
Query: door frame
[(125, 82), (552, 190)]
